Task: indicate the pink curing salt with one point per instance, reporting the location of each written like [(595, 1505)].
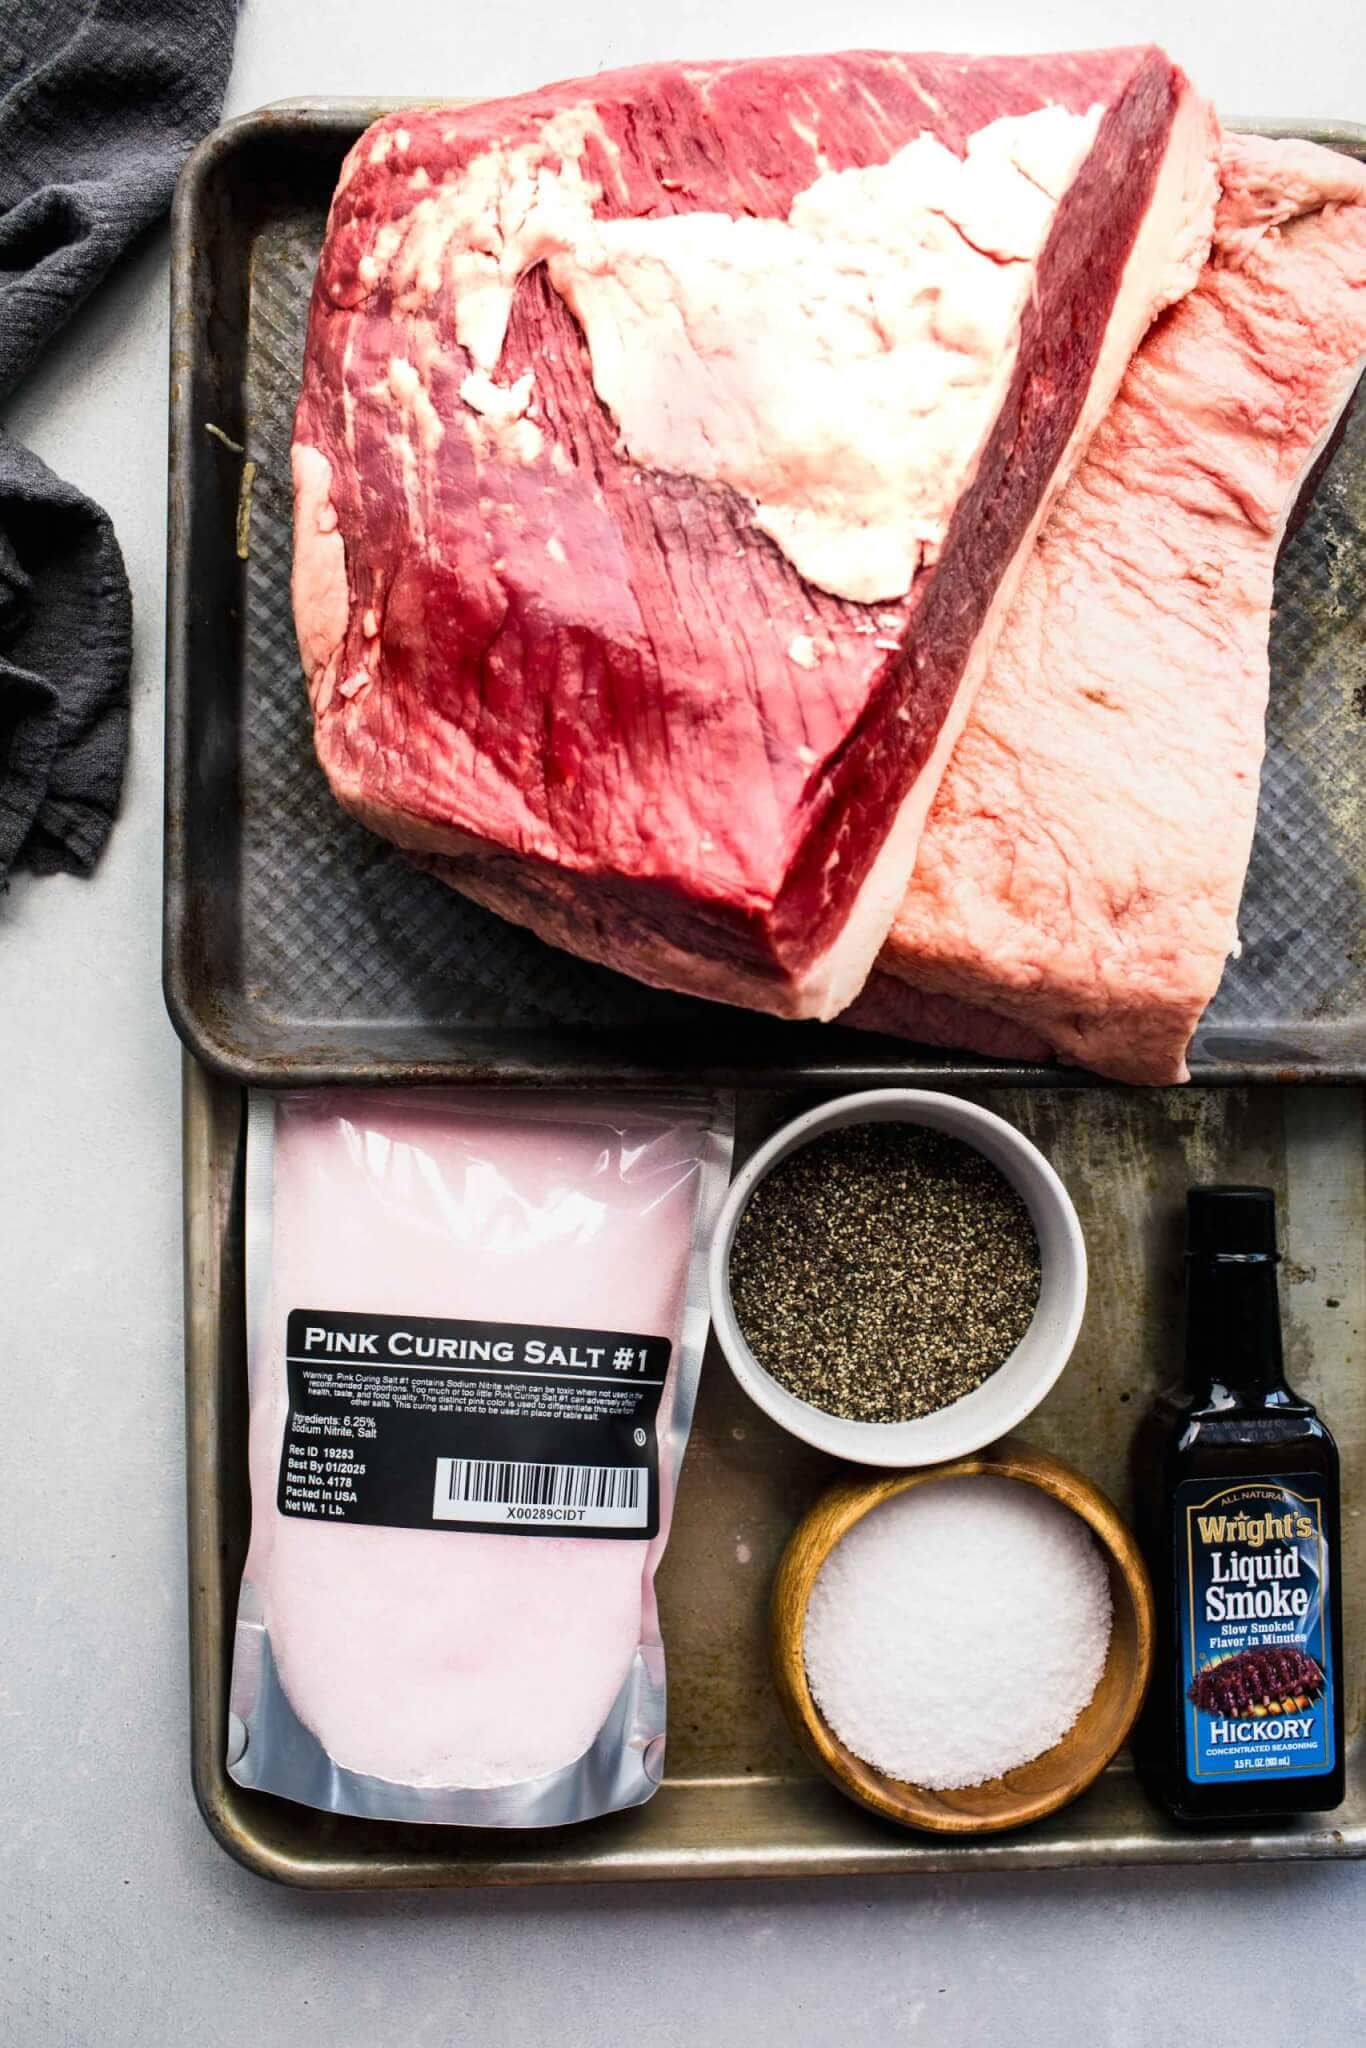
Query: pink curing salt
[(446, 1660)]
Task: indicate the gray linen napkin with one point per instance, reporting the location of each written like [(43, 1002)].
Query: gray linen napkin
[(100, 102)]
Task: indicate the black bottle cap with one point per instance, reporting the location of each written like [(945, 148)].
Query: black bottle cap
[(1230, 1223)]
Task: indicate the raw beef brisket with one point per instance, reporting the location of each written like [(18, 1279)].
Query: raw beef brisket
[(1080, 873), (670, 444)]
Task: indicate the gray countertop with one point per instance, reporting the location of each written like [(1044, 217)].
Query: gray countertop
[(123, 1922)]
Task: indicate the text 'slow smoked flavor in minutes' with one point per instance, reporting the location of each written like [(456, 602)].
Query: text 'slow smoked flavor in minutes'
[(475, 1330)]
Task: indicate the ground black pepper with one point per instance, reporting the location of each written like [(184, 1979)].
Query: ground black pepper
[(883, 1271)]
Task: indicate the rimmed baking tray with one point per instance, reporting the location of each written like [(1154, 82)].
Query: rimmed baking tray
[(738, 1799), (299, 947)]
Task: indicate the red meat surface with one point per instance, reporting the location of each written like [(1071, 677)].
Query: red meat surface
[(567, 682), (1080, 873)]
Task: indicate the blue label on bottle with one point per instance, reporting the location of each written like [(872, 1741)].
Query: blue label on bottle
[(1252, 1572)]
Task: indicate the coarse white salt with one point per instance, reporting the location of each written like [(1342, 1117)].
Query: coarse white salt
[(958, 1630)]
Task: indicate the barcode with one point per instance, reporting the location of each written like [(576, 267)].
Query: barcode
[(505, 1490)]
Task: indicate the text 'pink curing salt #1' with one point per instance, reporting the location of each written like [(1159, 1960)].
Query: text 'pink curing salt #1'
[(475, 1327)]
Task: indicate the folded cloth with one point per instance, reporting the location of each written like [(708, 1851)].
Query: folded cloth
[(100, 101)]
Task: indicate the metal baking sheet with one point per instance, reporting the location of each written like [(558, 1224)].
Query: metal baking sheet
[(738, 1799), (298, 946)]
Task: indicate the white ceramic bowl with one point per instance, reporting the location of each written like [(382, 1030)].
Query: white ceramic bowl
[(1016, 1388)]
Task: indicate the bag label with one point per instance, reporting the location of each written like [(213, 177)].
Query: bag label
[(419, 1422), (1252, 1579)]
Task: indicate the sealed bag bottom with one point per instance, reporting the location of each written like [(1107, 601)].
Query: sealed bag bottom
[(475, 1328)]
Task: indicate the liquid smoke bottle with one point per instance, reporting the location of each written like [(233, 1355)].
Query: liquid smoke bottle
[(1241, 1481)]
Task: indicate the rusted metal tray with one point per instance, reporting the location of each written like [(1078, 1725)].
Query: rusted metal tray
[(738, 1799), (299, 947)]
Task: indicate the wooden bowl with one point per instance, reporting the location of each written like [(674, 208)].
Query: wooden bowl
[(1060, 1773)]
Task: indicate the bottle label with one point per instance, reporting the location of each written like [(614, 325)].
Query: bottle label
[(1253, 1572), (421, 1422)]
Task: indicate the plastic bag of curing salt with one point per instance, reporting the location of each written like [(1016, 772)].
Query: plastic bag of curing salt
[(475, 1327)]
